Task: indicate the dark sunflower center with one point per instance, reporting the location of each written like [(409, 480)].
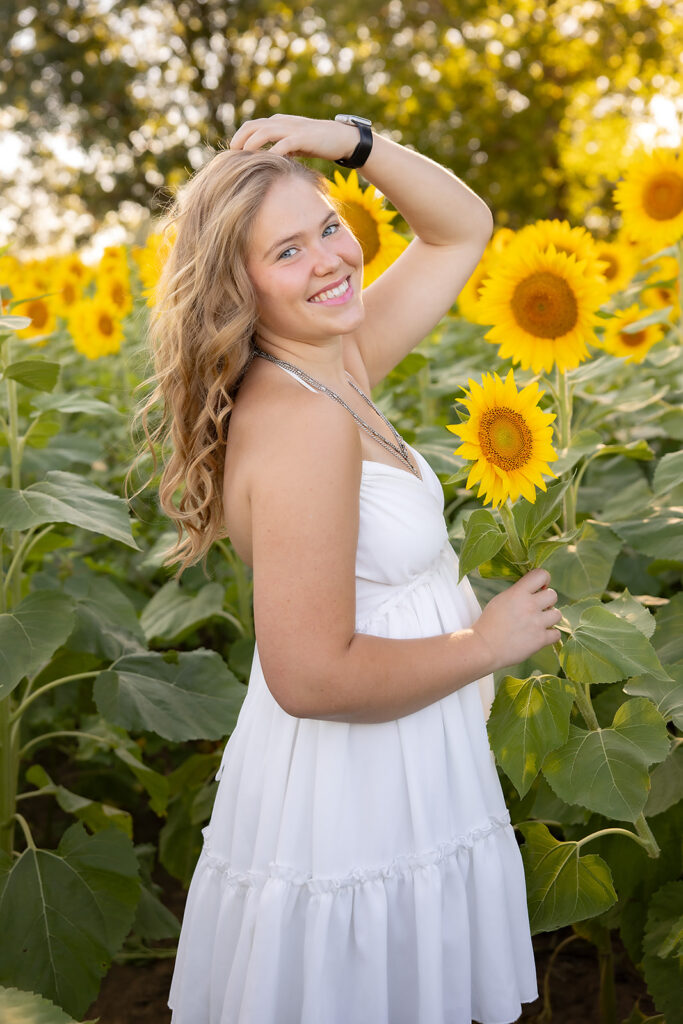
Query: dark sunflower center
[(544, 305), (663, 196), (118, 293), (632, 340), (69, 293), (364, 227), (105, 323), (505, 438), (611, 271), (38, 312)]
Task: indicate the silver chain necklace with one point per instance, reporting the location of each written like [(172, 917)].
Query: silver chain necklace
[(399, 449)]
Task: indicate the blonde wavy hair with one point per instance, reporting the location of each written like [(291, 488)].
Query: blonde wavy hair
[(200, 335)]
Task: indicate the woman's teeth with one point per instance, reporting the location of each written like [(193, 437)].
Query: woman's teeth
[(333, 293)]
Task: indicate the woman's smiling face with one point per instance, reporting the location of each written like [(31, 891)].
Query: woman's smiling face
[(299, 253)]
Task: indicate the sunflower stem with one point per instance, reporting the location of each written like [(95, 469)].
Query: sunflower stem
[(514, 543), (564, 405)]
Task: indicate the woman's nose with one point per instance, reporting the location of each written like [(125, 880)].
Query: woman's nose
[(325, 259)]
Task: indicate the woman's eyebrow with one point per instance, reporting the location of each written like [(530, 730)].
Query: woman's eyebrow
[(298, 234)]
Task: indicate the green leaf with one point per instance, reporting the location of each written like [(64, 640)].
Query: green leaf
[(639, 450), (192, 695), (669, 473), (14, 323), (584, 567), (529, 718), (173, 613), (30, 634), (17, 1007), (583, 442), (97, 816), (64, 913), (34, 373), (106, 621), (658, 535), (75, 402), (665, 694), (66, 498), (668, 638), (533, 519), (41, 430), (605, 770), (604, 648), (562, 887), (483, 539), (153, 920), (628, 608), (666, 784), (664, 929), (663, 960)]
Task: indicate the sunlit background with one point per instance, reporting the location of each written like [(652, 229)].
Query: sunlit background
[(537, 107)]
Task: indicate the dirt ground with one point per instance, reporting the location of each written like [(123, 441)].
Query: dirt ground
[(136, 993)]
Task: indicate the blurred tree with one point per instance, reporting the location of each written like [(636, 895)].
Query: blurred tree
[(531, 104)]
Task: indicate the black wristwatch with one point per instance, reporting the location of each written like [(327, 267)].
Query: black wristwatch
[(364, 147)]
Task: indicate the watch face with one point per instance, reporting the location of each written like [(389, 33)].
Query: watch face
[(353, 119)]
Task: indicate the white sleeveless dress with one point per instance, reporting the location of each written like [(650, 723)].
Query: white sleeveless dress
[(364, 873)]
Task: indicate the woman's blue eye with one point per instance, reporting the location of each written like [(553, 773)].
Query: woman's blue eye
[(290, 249), (335, 226)]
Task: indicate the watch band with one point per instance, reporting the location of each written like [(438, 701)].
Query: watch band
[(364, 147)]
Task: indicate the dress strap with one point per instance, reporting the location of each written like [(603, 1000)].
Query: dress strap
[(299, 379)]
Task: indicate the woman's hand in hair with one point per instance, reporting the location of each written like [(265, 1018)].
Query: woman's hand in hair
[(292, 135)]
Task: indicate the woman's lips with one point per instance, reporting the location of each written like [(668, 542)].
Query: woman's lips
[(332, 299)]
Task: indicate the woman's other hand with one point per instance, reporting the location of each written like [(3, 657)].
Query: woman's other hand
[(520, 621)]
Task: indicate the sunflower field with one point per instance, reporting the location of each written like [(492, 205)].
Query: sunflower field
[(549, 403)]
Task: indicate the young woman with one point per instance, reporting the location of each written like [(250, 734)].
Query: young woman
[(359, 866)]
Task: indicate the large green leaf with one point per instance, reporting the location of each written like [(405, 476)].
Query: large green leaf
[(97, 816), (668, 638), (64, 913), (606, 770), (584, 567), (658, 535), (605, 647), (187, 696), (529, 718), (106, 621), (665, 694), (666, 784), (30, 634), (628, 608), (663, 947), (34, 373), (583, 442), (66, 498), (562, 887), (18, 1007), (483, 539), (173, 613), (669, 473)]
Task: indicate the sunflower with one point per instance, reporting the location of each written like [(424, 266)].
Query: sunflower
[(370, 223), (468, 299), (95, 327), (113, 284), (508, 437), (576, 241), (542, 305), (151, 257), (621, 264), (661, 287), (650, 198), (635, 345), (41, 306)]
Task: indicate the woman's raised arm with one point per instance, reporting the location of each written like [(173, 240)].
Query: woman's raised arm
[(451, 224)]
